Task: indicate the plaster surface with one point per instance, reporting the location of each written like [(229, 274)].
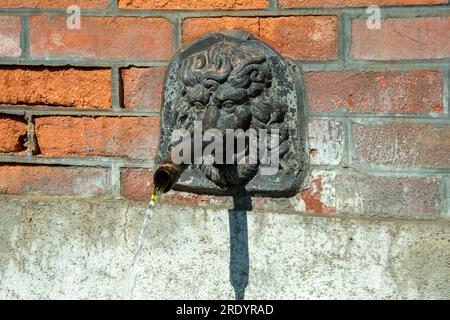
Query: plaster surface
[(66, 248)]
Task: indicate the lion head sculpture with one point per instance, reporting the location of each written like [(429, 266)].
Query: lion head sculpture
[(230, 82)]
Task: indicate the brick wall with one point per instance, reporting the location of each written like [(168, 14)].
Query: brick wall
[(79, 109)]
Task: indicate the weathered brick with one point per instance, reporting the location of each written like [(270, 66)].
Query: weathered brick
[(54, 4), (414, 91), (109, 137), (353, 3), (403, 144), (402, 39), (102, 38), (193, 4), (10, 28), (406, 197), (68, 87), (302, 38), (143, 87), (196, 200), (320, 197), (326, 138), (265, 204), (55, 181), (137, 184), (329, 194), (12, 132)]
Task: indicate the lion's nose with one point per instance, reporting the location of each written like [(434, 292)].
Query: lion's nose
[(210, 117)]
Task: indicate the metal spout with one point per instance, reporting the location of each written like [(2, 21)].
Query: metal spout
[(167, 175)]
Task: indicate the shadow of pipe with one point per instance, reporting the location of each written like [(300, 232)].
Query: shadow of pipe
[(239, 256)]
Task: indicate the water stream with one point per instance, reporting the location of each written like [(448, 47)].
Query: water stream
[(132, 275)]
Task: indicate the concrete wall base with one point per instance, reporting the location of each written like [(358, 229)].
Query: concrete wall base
[(56, 248)]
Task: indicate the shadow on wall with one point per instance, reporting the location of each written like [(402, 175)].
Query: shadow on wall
[(239, 257)]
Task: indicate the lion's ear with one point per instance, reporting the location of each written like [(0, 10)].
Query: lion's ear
[(255, 89)]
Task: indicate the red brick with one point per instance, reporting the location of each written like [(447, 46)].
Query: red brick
[(302, 38), (12, 132), (320, 197), (102, 38), (403, 144), (194, 28), (88, 137), (193, 4), (353, 3), (404, 197), (55, 181), (143, 87), (402, 39), (68, 87), (10, 28), (326, 139), (54, 4), (415, 91)]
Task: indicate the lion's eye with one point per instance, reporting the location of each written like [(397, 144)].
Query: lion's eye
[(228, 104)]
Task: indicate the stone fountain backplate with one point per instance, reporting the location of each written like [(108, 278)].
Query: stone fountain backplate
[(283, 92)]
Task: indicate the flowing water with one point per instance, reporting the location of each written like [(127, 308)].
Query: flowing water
[(132, 275)]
